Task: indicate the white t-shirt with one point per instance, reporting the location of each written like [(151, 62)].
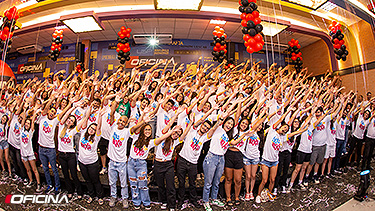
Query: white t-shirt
[(118, 144), (93, 118), (219, 142), (106, 127), (360, 127), (272, 109), (136, 113), (340, 127), (79, 113), (47, 131), (371, 129), (137, 153), (305, 144), (88, 150), (242, 143), (15, 132), (252, 147), (193, 144), (3, 132), (166, 155), (183, 119), (66, 144), (162, 121), (332, 134), (273, 143), (26, 143), (320, 137), (288, 145)]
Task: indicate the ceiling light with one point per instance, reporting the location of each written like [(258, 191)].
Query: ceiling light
[(272, 29), (178, 4), (313, 4), (328, 6), (217, 22), (153, 41), (86, 22)]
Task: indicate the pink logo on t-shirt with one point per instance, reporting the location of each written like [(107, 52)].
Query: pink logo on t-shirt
[(78, 115), (276, 144), (166, 119), (224, 142), (85, 144), (342, 124), (195, 144), (25, 138), (362, 125), (2, 133), (47, 128), (254, 140), (66, 139), (117, 141), (320, 126), (309, 135), (139, 152), (16, 130), (92, 118)]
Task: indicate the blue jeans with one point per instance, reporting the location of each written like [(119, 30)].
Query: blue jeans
[(340, 145), (137, 171), (213, 168), (49, 155), (115, 170)]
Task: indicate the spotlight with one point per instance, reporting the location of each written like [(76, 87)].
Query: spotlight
[(363, 185)]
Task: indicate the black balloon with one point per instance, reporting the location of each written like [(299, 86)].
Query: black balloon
[(338, 57), (127, 58), (222, 38), (215, 59), (244, 30), (338, 32), (222, 52), (250, 24), (121, 52), (340, 52), (218, 40), (340, 37), (119, 57), (252, 32), (127, 53), (245, 3), (248, 10), (222, 42), (241, 9), (253, 6), (126, 39), (343, 57), (343, 47), (259, 28)]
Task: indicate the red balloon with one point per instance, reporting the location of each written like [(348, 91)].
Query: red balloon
[(119, 33), (246, 37), (258, 47), (249, 17), (298, 46), (53, 47), (250, 50), (219, 34), (257, 21), (225, 51), (59, 49), (128, 30), (336, 41), (127, 35), (217, 28), (222, 47), (126, 45), (290, 43), (117, 49), (122, 36), (294, 58), (334, 23), (258, 37), (300, 53), (296, 42), (246, 44), (123, 28), (61, 36), (243, 16), (225, 36), (221, 30), (218, 45), (293, 40), (244, 23), (6, 29), (255, 14), (252, 42), (293, 54), (342, 42), (214, 33), (216, 49)]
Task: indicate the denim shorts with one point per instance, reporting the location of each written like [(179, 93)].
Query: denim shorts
[(268, 163), (4, 144), (28, 158), (247, 161)]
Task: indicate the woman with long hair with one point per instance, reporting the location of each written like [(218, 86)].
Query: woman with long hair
[(4, 146)]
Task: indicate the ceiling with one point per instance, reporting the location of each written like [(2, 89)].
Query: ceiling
[(179, 28)]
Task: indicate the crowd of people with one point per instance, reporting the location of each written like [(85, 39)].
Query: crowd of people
[(232, 122)]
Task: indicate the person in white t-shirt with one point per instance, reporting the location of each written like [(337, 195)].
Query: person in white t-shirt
[(369, 141), (4, 145), (27, 152)]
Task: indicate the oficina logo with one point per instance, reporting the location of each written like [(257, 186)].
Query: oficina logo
[(36, 199)]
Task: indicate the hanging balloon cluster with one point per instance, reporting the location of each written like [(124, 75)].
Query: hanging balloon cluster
[(338, 41), (57, 40), (295, 54), (7, 28), (123, 47), (220, 45), (251, 27), (79, 67)]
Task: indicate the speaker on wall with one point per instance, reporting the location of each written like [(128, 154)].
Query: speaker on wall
[(231, 50), (80, 53)]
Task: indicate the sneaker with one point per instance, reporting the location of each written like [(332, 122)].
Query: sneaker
[(305, 182), (218, 203), (163, 206), (30, 184), (316, 179), (112, 202), (275, 191), (337, 172), (38, 188), (301, 186), (207, 206), (104, 170), (283, 189), (172, 209), (199, 177), (249, 196), (148, 207), (137, 207), (289, 189), (264, 195), (57, 191), (125, 203), (257, 199), (25, 181), (49, 190), (78, 169)]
